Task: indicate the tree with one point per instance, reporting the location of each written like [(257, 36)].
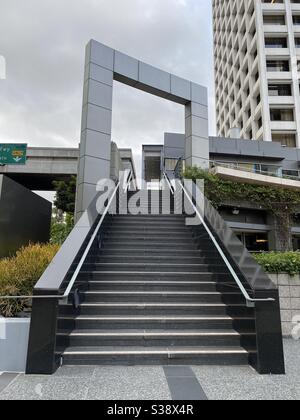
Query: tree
[(65, 195)]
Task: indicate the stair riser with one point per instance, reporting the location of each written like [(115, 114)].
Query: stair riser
[(153, 311), (157, 288), (148, 236), (155, 228), (150, 276), (154, 342), (151, 259), (89, 298), (168, 244), (199, 360), (145, 245), (155, 268), (78, 324), (152, 253), (163, 224)]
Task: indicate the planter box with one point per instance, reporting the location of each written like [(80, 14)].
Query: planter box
[(289, 292), (14, 334)]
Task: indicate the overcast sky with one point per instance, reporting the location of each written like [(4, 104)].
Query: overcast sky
[(43, 43)]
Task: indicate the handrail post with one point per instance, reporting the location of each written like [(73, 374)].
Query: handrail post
[(270, 352), (41, 357)]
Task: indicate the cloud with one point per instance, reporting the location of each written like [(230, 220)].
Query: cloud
[(43, 43)]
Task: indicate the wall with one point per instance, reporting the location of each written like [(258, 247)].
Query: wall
[(14, 334), (24, 217), (289, 291)]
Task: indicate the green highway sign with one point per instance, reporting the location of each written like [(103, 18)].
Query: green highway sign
[(13, 154)]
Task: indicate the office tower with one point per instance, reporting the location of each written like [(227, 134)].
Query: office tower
[(257, 69)]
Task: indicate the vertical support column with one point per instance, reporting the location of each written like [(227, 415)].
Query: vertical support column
[(95, 145), (41, 358), (264, 91), (270, 353), (294, 68), (196, 128)]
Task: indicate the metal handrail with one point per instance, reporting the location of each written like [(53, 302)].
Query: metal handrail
[(80, 264), (127, 181), (169, 183), (250, 301)]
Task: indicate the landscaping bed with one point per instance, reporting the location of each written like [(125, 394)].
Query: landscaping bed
[(19, 274)]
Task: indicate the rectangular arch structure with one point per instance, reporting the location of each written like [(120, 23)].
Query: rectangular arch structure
[(103, 65)]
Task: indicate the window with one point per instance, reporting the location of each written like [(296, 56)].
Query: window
[(254, 242), (287, 140), (282, 114), (278, 65), (280, 90), (170, 164), (276, 42)]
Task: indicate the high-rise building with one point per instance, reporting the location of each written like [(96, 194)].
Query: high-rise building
[(257, 69)]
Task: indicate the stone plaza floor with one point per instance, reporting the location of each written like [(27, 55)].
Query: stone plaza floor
[(158, 383)]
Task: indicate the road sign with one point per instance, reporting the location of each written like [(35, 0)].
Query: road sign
[(13, 154)]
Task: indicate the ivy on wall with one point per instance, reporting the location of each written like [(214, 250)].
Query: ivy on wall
[(281, 202)]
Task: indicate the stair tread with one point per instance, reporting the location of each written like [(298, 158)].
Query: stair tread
[(155, 282), (158, 265), (157, 293), (155, 305), (153, 317), (149, 332), (157, 350), (152, 273)]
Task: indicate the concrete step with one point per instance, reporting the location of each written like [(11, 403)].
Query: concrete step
[(162, 276), (153, 252), (157, 285), (153, 309), (171, 322), (153, 267), (145, 259), (160, 296), (157, 356), (154, 338)]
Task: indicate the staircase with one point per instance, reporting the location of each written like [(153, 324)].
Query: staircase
[(154, 294)]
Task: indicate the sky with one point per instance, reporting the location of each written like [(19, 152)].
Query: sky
[(43, 45)]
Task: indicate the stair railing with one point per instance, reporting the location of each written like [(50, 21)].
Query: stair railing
[(42, 357), (166, 177), (269, 357), (250, 301), (64, 297)]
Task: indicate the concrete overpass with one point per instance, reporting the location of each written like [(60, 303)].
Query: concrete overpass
[(45, 165)]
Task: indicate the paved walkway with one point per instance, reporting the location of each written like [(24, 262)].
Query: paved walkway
[(158, 383)]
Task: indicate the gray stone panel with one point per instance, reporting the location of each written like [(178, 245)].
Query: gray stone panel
[(99, 74), (199, 94), (90, 141), (155, 79), (93, 169), (126, 67), (98, 94), (196, 151), (196, 109), (97, 119), (196, 126), (100, 54), (181, 88)]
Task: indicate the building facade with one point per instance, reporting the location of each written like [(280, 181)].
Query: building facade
[(238, 160), (257, 69)]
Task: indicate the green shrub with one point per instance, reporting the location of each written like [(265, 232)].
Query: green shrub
[(61, 230), (280, 262), (19, 274)]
